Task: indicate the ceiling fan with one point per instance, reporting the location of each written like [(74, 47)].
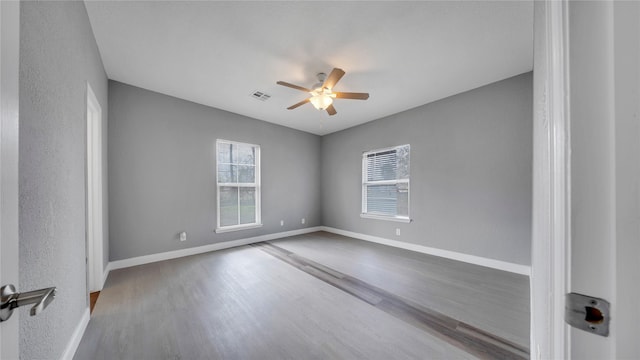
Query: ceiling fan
[(322, 93)]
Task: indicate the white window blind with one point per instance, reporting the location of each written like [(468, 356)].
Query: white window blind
[(238, 185), (385, 183)]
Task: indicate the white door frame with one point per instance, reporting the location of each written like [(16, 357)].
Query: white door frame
[(551, 223), (94, 230), (9, 120)]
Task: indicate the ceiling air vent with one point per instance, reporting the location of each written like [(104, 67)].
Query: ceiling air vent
[(260, 95)]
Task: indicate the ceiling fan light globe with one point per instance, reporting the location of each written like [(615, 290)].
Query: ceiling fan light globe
[(321, 101)]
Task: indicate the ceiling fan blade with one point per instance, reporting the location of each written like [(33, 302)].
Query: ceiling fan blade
[(293, 86), (298, 104), (351, 95), (331, 110), (333, 78)]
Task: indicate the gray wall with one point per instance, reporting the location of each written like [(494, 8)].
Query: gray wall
[(58, 55), (471, 160), (162, 179)]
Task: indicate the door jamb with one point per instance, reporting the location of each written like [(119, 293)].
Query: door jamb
[(551, 223), (95, 226)]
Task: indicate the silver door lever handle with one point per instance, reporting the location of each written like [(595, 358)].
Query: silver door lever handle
[(41, 298), (10, 299)]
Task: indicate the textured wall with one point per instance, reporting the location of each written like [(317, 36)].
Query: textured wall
[(163, 180), (58, 55), (471, 158)]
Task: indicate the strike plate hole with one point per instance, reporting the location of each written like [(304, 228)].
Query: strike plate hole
[(594, 316)]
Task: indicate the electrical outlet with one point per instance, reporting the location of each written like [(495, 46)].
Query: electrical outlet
[(183, 236), (304, 220), (281, 222), (397, 231)]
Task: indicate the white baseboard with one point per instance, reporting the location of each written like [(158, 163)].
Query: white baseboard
[(105, 274), (72, 346), (472, 259), (146, 259)]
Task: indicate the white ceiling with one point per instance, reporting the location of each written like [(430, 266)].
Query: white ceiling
[(405, 54)]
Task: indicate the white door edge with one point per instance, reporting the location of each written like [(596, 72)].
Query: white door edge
[(9, 120), (94, 192)]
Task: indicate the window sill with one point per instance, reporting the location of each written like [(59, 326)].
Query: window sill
[(387, 218), (237, 228)]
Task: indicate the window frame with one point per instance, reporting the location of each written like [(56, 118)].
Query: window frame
[(365, 183), (256, 185)]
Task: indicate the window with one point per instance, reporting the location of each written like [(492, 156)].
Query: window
[(385, 184), (238, 183)]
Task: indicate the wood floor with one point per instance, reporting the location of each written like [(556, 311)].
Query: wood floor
[(352, 300), (93, 298)]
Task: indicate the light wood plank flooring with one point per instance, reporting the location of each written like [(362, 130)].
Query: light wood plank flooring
[(246, 303), (493, 300)]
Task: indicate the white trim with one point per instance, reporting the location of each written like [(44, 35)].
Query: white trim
[(105, 273), (387, 218), (95, 226), (235, 142), (146, 259), (9, 153), (368, 152), (560, 174), (551, 213), (72, 345), (471, 259), (237, 228)]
